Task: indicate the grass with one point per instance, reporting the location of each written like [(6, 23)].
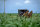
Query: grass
[(11, 20)]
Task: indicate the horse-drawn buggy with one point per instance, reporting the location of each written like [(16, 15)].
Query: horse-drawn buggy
[(24, 12)]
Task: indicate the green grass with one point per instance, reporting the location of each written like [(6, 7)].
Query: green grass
[(11, 20)]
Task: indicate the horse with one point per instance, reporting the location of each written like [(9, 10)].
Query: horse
[(27, 14)]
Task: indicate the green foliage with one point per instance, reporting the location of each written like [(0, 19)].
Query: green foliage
[(6, 21)]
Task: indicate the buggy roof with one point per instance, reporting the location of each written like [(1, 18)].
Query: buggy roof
[(22, 9)]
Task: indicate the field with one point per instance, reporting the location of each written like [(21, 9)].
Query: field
[(11, 20)]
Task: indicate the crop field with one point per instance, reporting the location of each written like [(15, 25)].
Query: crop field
[(11, 20)]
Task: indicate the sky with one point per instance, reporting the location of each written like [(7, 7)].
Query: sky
[(12, 6)]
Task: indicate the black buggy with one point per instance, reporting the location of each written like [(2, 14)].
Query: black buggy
[(21, 11)]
